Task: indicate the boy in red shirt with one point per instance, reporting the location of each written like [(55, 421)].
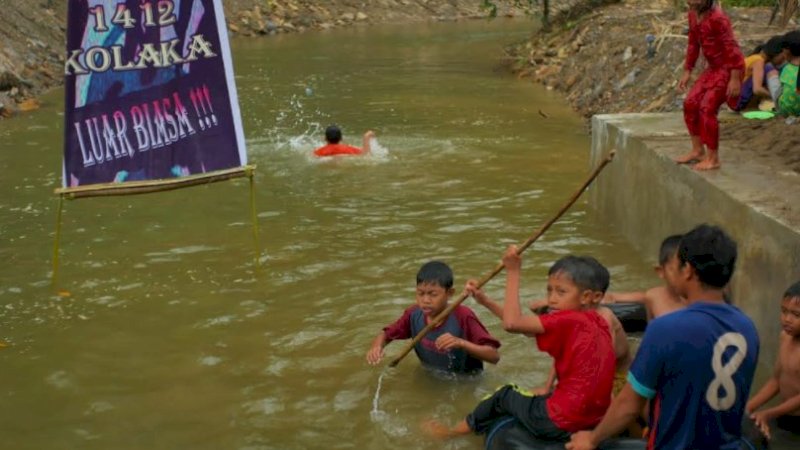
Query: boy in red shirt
[(709, 31), (575, 336), (333, 137)]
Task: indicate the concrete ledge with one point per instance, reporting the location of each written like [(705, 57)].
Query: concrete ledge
[(647, 197)]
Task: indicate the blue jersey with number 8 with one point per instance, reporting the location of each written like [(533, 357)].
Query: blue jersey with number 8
[(696, 365)]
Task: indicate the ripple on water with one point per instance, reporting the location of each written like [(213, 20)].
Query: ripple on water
[(302, 338), (191, 249), (315, 406), (217, 321), (323, 267), (348, 400), (86, 434), (127, 287), (276, 367), (265, 406), (458, 228), (59, 379), (391, 424), (209, 360), (106, 300), (98, 407)]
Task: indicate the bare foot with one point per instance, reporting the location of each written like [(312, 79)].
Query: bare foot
[(691, 157), (706, 164), (709, 163), (436, 429)]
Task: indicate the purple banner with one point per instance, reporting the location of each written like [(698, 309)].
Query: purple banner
[(149, 91)]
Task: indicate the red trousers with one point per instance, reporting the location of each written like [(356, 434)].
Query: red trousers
[(702, 105)]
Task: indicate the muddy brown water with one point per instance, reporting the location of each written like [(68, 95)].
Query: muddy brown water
[(169, 338)]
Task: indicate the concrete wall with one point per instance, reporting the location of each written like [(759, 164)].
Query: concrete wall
[(646, 196)]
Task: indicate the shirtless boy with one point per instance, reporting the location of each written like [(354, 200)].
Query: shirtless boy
[(785, 379)]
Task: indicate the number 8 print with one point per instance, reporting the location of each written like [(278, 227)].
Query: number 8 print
[(724, 373)]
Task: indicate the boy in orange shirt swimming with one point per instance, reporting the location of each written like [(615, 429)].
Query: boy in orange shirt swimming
[(334, 147)]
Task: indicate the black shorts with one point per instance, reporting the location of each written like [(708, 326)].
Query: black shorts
[(529, 410)]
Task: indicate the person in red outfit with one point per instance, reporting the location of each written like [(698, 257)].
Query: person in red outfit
[(574, 334), (709, 31), (334, 147)]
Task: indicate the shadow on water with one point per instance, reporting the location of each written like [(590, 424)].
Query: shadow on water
[(167, 337)]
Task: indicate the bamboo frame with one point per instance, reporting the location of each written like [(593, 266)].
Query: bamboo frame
[(150, 186)]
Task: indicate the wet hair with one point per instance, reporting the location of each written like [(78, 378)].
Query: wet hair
[(585, 272), (602, 278), (435, 272), (773, 47), (333, 134), (793, 293), (791, 41), (711, 252), (793, 35), (668, 248), (707, 4)]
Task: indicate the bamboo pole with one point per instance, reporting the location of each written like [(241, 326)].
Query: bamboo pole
[(147, 186), (254, 217), (54, 275), (499, 268)]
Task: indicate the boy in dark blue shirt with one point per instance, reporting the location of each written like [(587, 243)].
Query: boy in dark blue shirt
[(695, 365)]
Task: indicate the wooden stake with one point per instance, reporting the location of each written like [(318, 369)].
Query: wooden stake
[(54, 275)]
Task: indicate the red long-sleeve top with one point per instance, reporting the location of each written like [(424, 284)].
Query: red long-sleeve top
[(714, 36)]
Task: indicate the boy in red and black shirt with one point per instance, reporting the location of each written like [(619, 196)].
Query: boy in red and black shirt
[(709, 31), (460, 344), (577, 338)]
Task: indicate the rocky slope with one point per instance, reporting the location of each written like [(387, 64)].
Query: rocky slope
[(603, 63), (32, 32), (597, 52)]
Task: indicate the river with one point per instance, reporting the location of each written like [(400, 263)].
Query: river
[(163, 335)]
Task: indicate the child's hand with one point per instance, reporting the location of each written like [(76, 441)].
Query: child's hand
[(374, 355), (761, 420), (511, 259), (748, 408), (369, 134), (683, 84), (475, 292), (734, 88), (582, 440), (449, 342), (539, 391)]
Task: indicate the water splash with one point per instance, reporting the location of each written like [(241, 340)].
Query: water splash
[(376, 414), (391, 425)]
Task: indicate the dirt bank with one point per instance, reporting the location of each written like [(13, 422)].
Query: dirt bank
[(602, 63), (597, 56), (32, 32)]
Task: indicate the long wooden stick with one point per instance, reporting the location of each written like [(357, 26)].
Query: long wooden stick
[(499, 268), (148, 186), (54, 275), (254, 217)]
